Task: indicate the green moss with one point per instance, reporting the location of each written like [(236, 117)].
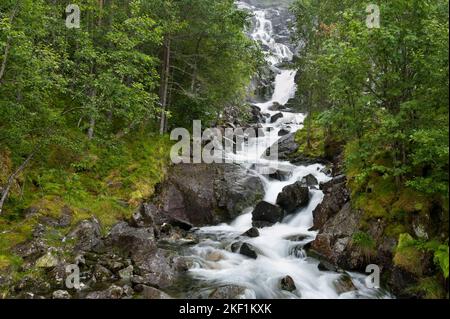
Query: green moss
[(408, 256), (429, 288), (106, 181)]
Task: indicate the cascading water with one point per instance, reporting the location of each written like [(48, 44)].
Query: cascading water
[(280, 247)]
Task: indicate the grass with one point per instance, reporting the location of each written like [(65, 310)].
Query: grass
[(104, 181)]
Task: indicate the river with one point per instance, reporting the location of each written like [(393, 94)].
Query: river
[(280, 247)]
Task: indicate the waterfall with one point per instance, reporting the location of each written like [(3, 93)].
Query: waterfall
[(278, 254)]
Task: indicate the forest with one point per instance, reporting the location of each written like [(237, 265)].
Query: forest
[(86, 113)]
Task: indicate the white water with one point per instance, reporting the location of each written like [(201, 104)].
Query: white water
[(278, 256)]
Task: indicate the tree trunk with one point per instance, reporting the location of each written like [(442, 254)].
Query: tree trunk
[(5, 192), (165, 85)]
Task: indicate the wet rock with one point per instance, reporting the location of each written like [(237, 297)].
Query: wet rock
[(336, 196), (334, 240), (288, 284), (344, 284), (248, 251), (235, 246), (266, 214), (283, 132), (113, 292), (281, 175), (276, 117), (205, 194), (61, 294), (144, 216), (252, 233), (276, 107), (153, 293), (286, 146), (310, 180), (227, 292), (293, 197), (87, 234), (326, 266)]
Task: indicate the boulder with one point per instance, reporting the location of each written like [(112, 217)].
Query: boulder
[(286, 147), (252, 233), (288, 284), (310, 180), (248, 251), (293, 197), (113, 292), (344, 284), (266, 214), (205, 194), (87, 234), (281, 175), (130, 241), (283, 132), (276, 117), (102, 273), (126, 273)]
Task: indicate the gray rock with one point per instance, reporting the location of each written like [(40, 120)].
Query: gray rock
[(205, 194), (87, 234), (144, 216), (227, 292), (293, 197), (266, 214), (126, 273), (137, 242), (61, 294), (113, 292), (153, 293)]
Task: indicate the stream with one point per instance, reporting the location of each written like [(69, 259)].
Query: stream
[(280, 247)]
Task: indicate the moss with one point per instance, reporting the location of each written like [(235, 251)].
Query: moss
[(408, 256), (107, 181), (429, 288)]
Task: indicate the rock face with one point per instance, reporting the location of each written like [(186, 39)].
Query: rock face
[(293, 197), (336, 196), (203, 194), (266, 214)]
